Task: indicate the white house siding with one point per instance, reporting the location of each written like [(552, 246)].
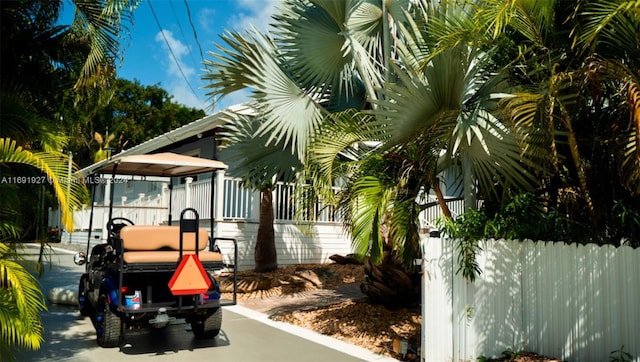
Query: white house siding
[(292, 245), (575, 303)]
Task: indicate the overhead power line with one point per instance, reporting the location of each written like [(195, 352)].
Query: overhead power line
[(175, 16), (195, 34), (175, 59)]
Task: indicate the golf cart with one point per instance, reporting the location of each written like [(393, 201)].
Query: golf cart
[(155, 275)]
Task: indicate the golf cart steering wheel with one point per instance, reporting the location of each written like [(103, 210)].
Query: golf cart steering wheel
[(114, 225)]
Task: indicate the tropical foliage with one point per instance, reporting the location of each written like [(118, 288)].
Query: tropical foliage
[(355, 96), (534, 103), (574, 108), (21, 301), (299, 75), (135, 113), (54, 169), (260, 167), (49, 69)]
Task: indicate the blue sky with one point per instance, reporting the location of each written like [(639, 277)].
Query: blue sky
[(149, 60)]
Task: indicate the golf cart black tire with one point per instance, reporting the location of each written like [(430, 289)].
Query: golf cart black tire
[(86, 309), (208, 327), (109, 328)]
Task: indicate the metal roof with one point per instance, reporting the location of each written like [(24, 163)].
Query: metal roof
[(189, 130)]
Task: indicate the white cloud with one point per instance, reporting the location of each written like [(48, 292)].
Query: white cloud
[(182, 94), (241, 96), (205, 17), (256, 13), (179, 51), (174, 53)]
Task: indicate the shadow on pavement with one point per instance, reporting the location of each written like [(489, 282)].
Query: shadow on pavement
[(65, 335), (169, 340)]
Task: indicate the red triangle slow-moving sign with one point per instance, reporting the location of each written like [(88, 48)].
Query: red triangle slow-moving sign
[(190, 277)]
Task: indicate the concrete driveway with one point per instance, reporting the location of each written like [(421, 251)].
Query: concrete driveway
[(246, 335)]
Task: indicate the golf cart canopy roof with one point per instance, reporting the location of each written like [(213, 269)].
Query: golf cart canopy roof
[(158, 164)]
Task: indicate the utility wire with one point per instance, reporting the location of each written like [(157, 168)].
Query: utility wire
[(171, 51), (175, 16), (195, 35)]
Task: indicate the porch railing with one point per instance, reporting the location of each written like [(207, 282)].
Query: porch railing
[(239, 203)]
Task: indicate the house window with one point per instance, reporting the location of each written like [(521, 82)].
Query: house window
[(152, 187), (128, 186)]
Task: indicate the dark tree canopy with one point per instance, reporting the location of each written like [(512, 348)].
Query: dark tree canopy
[(135, 113)]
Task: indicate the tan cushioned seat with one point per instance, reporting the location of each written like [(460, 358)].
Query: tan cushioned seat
[(133, 257), (150, 237), (144, 244)]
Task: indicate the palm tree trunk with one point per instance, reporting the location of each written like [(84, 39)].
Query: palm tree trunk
[(575, 155), (265, 256), (468, 186), (443, 204)]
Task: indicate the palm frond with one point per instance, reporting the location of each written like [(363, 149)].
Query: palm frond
[(404, 229), (494, 155), (289, 115), (496, 16), (228, 71), (309, 37), (531, 128), (339, 144), (610, 22), (105, 26), (252, 157), (449, 25), (70, 192), (368, 209), (21, 301)]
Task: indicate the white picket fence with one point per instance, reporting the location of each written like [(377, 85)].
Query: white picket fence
[(574, 303)]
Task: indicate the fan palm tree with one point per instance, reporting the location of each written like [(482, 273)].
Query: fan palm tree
[(328, 61), (322, 57), (261, 165), (440, 112)]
